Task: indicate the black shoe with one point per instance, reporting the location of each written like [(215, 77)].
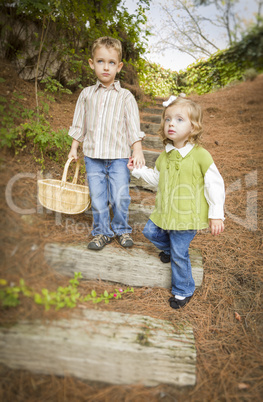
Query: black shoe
[(176, 304), (99, 241), (164, 257)]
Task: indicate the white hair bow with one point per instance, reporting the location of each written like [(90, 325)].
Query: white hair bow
[(171, 99)]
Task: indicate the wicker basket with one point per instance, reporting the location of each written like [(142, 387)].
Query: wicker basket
[(61, 196)]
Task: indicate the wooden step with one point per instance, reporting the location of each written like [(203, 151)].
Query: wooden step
[(132, 267), (150, 157), (151, 118), (140, 184), (153, 110), (138, 214), (152, 141), (104, 346), (150, 128)]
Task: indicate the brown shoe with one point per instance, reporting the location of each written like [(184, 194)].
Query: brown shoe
[(125, 240), (99, 241)]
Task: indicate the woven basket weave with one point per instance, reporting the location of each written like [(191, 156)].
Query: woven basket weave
[(62, 196)]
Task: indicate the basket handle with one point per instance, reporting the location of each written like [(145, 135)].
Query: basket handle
[(65, 172)]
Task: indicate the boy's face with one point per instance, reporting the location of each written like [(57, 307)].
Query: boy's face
[(106, 64)]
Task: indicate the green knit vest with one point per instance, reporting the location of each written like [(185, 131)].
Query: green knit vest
[(180, 202)]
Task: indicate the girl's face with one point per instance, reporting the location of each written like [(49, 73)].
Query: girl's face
[(177, 126)]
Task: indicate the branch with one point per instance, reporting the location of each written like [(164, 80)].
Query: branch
[(196, 24), (42, 40)]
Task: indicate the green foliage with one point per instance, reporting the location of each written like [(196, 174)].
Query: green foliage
[(63, 297), (221, 69), (250, 74), (34, 132), (52, 85), (69, 28), (154, 79)]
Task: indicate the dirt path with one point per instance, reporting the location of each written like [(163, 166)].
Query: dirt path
[(226, 313)]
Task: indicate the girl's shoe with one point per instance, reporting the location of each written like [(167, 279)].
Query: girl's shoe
[(99, 241), (176, 304), (164, 257), (125, 240)]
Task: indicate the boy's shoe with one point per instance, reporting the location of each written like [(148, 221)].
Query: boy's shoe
[(176, 304), (164, 257), (125, 240), (99, 241)]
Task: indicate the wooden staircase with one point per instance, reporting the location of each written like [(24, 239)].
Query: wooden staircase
[(109, 346)]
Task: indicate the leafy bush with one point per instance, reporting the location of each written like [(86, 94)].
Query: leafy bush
[(250, 74), (34, 132), (154, 79), (63, 297), (244, 60)]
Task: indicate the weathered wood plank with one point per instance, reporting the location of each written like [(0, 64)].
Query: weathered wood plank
[(141, 184), (151, 118), (133, 267), (150, 157), (103, 346), (152, 110), (139, 213), (150, 128), (153, 142)]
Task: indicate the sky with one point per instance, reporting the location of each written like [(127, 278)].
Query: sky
[(175, 60)]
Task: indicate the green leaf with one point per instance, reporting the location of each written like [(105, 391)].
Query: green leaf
[(38, 299)]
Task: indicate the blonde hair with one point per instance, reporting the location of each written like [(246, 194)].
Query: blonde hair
[(108, 42), (195, 115)]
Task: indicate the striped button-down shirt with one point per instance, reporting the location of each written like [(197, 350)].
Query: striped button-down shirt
[(107, 121)]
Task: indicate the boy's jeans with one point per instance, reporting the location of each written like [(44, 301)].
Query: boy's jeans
[(176, 243), (109, 184)]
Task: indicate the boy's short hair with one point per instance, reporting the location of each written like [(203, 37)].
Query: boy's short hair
[(195, 115), (108, 42)]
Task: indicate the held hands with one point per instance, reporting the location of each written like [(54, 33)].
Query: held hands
[(130, 163), (137, 159), (216, 226)]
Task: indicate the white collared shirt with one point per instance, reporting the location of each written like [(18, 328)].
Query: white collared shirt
[(214, 189)]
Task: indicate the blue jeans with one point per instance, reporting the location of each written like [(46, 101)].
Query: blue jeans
[(109, 184), (176, 243)]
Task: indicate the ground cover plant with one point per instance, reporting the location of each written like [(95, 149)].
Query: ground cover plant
[(225, 313)]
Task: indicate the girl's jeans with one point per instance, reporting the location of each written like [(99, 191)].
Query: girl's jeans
[(109, 184), (176, 243)]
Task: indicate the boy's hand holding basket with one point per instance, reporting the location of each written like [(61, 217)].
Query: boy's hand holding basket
[(62, 196)]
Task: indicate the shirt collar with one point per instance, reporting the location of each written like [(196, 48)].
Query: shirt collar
[(183, 151), (116, 85)]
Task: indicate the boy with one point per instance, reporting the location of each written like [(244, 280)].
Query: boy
[(106, 120)]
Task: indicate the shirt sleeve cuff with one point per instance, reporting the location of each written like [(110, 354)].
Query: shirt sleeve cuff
[(140, 137), (74, 133), (137, 172), (216, 212)]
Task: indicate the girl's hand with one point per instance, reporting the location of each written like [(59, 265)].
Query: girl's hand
[(216, 226), (130, 163)]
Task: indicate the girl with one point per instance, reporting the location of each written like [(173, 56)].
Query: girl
[(190, 193)]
